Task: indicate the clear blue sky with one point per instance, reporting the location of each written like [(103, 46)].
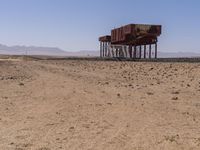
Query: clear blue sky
[(75, 25)]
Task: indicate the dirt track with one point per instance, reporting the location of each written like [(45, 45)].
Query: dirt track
[(96, 105)]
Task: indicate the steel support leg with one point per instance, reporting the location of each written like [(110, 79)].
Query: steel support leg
[(150, 51), (101, 49), (125, 51), (145, 51), (130, 51), (156, 50), (135, 52), (140, 51)]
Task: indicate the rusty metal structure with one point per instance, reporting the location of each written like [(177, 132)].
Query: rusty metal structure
[(133, 41)]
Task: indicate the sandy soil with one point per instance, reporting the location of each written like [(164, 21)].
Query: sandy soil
[(96, 105)]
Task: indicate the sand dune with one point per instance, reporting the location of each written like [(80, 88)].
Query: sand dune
[(95, 105)]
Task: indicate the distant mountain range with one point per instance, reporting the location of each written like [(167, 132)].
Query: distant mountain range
[(54, 51), (49, 51), (31, 50)]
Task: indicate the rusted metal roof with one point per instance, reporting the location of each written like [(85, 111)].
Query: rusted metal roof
[(135, 34), (106, 38)]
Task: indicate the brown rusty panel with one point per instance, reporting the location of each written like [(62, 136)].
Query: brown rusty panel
[(128, 29), (117, 35), (106, 38), (146, 30), (133, 33)]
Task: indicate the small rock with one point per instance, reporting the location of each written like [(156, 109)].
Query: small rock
[(175, 98), (175, 92), (71, 128), (107, 83), (151, 68), (150, 93), (21, 84)]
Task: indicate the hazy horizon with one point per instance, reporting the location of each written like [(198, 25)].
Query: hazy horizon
[(74, 25)]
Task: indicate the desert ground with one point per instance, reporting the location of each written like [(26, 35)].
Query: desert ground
[(99, 105)]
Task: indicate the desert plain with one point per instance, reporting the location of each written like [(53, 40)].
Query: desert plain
[(99, 105)]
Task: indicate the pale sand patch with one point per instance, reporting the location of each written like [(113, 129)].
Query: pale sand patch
[(10, 59)]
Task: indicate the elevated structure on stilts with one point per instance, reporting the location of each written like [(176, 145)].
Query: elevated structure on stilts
[(134, 41)]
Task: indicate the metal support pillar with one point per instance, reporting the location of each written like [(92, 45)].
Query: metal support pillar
[(108, 49), (120, 52), (113, 54), (101, 49), (130, 51), (105, 49), (156, 50), (140, 51), (150, 51), (112, 51), (145, 51), (104, 45), (135, 52), (125, 50)]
